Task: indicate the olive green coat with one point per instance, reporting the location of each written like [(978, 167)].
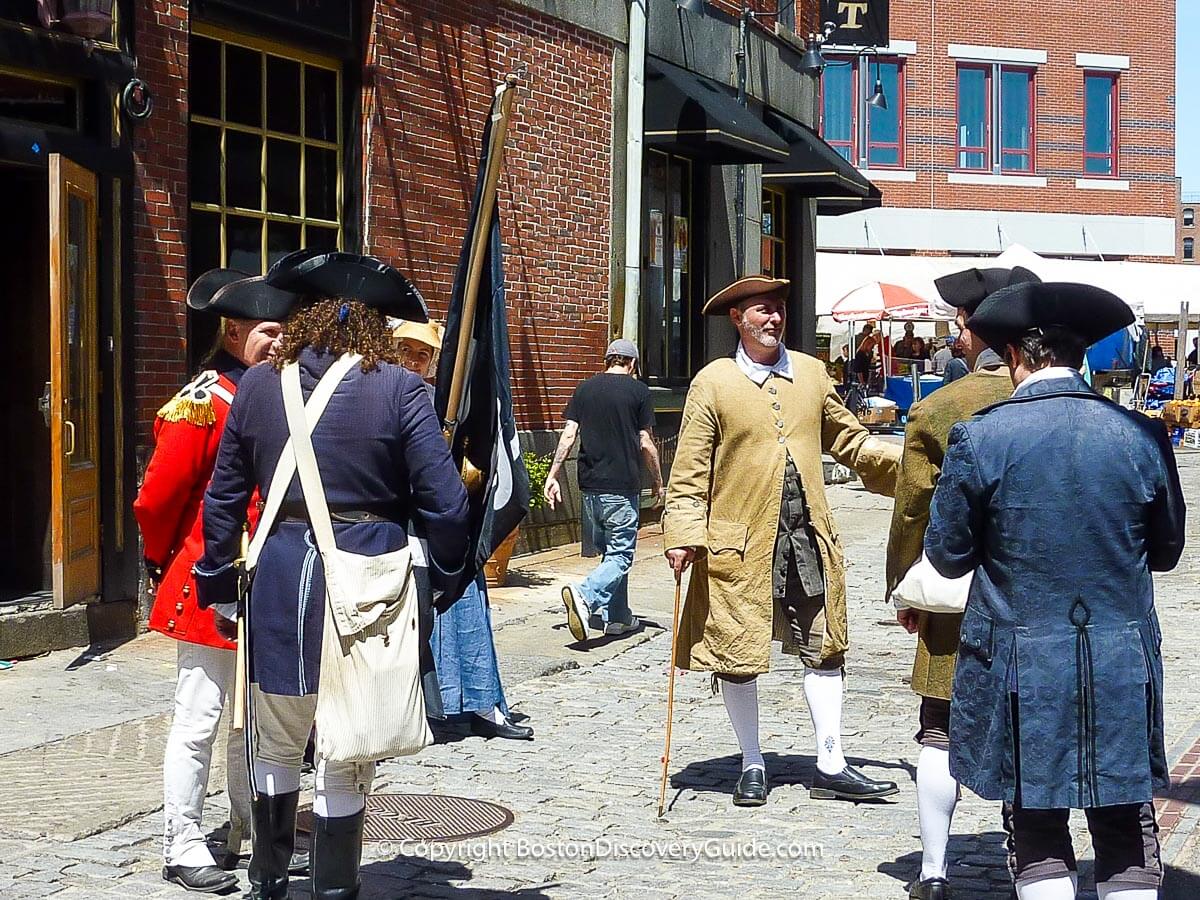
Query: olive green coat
[(724, 495), (929, 424)]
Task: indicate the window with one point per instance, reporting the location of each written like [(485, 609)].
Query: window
[(1189, 217), (774, 233), (1100, 124), (996, 115), (667, 331), (864, 134), (265, 153), (1189, 248)]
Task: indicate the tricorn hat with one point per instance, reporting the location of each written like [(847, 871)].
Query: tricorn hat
[(234, 294), (1087, 311), (428, 333), (967, 289), (350, 277)]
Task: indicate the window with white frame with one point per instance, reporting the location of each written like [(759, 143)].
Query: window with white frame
[(868, 135), (996, 118)]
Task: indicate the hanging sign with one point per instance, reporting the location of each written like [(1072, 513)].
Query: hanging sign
[(860, 23)]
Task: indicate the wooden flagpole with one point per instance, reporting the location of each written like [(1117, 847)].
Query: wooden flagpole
[(501, 114)]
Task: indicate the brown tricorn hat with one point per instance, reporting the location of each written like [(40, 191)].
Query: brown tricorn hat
[(751, 287)]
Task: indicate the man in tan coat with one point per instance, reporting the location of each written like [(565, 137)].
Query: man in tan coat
[(925, 439), (746, 504)]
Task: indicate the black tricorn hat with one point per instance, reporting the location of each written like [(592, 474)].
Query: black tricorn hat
[(1084, 310), (204, 288), (967, 289), (350, 277), (235, 295)]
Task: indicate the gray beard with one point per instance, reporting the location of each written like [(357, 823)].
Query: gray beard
[(769, 341)]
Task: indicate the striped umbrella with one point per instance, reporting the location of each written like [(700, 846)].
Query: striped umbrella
[(879, 300)]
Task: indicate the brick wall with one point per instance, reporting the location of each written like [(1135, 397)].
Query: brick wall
[(160, 211), (1143, 31), (436, 64)]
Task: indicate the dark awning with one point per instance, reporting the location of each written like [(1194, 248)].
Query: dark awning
[(816, 170), (692, 115)]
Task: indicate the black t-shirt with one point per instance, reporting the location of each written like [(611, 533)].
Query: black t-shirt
[(611, 410)]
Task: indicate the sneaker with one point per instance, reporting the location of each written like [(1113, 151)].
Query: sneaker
[(578, 613), (633, 624)]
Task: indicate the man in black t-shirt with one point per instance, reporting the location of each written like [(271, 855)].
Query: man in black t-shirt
[(613, 416)]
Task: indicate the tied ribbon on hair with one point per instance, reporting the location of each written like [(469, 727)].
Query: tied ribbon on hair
[(344, 313)]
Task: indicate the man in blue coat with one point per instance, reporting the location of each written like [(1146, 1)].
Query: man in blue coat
[(1062, 504)]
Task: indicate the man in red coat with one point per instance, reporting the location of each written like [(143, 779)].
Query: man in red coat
[(187, 433)]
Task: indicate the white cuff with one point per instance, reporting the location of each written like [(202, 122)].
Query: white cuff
[(226, 610)]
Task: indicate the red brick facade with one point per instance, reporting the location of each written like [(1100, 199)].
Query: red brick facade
[(160, 211), (1144, 32), (436, 70), (428, 80)]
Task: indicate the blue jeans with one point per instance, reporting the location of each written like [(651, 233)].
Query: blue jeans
[(613, 522)]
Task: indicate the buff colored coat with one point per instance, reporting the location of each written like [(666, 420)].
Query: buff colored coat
[(723, 499)]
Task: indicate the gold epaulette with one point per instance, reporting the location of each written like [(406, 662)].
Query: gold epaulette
[(193, 404)]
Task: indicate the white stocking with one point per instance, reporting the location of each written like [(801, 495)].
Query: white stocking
[(937, 794), (1061, 887), (273, 779), (1108, 891), (823, 691), (741, 702)]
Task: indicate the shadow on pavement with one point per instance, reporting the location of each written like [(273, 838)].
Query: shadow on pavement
[(396, 879), (719, 775), (985, 853)]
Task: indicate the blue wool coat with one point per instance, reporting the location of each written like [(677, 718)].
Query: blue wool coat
[(1062, 503), (379, 449)]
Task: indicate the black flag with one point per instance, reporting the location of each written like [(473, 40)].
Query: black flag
[(486, 436)]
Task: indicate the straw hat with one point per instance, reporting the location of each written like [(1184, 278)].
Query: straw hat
[(427, 333)]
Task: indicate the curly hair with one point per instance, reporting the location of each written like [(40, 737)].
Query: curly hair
[(338, 326)]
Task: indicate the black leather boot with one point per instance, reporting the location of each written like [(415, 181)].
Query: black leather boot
[(272, 847), (336, 854)]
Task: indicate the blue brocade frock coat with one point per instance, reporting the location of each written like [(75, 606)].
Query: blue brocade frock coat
[(1062, 504)]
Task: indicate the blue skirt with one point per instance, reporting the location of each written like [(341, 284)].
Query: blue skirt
[(465, 655)]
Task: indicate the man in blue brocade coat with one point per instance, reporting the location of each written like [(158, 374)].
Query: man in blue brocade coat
[(1062, 504)]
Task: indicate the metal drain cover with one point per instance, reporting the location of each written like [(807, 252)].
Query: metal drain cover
[(424, 817)]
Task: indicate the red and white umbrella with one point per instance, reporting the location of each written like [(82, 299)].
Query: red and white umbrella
[(879, 300)]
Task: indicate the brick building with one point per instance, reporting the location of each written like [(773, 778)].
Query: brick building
[(1054, 130), (1185, 226), (181, 136)]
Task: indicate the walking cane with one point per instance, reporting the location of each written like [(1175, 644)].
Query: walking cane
[(666, 759)]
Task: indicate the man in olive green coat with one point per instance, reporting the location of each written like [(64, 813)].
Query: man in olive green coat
[(746, 502), (925, 439)]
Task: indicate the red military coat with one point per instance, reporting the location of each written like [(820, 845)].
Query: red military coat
[(169, 506)]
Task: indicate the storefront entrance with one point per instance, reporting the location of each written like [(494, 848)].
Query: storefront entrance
[(50, 404)]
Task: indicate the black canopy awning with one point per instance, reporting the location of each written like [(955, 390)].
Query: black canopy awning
[(816, 170), (692, 115)]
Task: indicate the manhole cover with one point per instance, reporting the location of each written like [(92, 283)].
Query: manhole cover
[(424, 817)]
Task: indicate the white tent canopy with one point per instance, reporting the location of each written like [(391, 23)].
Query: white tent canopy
[(1152, 290)]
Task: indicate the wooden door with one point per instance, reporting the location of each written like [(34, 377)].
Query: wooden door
[(74, 383)]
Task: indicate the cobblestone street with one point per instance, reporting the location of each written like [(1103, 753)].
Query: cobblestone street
[(79, 783)]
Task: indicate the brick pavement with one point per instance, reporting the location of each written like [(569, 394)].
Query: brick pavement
[(585, 792)]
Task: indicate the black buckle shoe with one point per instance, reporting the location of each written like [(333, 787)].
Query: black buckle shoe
[(298, 864), (751, 788), (201, 879), (929, 889), (489, 729), (849, 784)]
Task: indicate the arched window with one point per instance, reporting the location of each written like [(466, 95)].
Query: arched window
[(1189, 217)]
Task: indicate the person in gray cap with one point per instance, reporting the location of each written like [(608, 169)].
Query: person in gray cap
[(612, 414)]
